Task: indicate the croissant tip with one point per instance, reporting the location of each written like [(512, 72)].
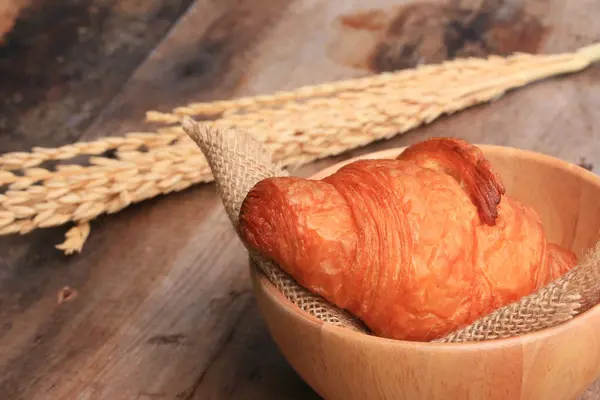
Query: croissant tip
[(467, 164)]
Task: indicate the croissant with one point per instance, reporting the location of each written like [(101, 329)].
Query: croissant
[(415, 247)]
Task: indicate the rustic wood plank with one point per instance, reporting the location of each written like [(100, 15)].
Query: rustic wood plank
[(163, 284), (183, 69), (239, 373), (158, 291), (144, 303), (61, 62)]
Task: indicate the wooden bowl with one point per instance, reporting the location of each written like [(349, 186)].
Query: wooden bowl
[(556, 363)]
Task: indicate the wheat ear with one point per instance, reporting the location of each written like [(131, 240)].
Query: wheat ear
[(297, 126)]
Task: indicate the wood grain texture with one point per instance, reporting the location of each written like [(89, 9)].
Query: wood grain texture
[(206, 56), (129, 334), (63, 61), (138, 296), (239, 373), (163, 285)]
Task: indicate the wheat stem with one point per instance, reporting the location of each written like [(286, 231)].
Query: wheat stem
[(297, 126)]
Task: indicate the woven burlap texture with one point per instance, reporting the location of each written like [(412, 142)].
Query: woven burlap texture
[(238, 162), (558, 302)]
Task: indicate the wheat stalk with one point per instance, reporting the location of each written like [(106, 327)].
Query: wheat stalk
[(40, 155), (298, 126), (439, 83), (432, 79), (76, 193)]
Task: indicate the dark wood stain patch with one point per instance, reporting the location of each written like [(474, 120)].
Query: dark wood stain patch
[(173, 339), (427, 32)]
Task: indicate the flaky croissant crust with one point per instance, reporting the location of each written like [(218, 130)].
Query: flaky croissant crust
[(415, 247)]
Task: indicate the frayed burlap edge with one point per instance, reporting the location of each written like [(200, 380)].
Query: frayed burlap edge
[(238, 162)]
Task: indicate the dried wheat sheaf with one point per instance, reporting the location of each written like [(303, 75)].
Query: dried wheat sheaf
[(298, 126)]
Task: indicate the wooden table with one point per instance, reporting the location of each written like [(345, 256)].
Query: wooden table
[(164, 309)]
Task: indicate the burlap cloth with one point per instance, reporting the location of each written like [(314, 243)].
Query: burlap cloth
[(238, 162)]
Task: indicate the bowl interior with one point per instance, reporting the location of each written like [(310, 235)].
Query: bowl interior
[(564, 195)]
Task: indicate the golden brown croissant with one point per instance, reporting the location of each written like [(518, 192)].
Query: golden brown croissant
[(416, 247)]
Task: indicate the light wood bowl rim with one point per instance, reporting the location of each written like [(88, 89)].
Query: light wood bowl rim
[(261, 283)]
